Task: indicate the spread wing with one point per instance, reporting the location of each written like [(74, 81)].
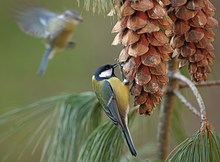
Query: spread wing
[(34, 21), (55, 26), (108, 102)]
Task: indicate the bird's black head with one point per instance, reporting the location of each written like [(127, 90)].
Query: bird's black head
[(105, 72)]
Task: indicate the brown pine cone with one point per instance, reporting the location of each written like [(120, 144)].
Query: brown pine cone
[(143, 31), (193, 35)]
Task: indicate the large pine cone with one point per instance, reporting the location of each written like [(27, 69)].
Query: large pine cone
[(193, 35), (143, 30)]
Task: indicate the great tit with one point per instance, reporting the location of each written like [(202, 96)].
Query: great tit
[(57, 29), (113, 95)]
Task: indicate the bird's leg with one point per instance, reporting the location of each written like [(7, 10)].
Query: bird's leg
[(71, 44)]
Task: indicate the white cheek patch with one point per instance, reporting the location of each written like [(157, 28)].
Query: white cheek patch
[(61, 17), (106, 74)]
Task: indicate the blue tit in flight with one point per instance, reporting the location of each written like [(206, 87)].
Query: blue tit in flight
[(56, 29), (113, 95)]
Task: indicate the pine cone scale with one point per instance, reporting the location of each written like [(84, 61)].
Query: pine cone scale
[(193, 39)]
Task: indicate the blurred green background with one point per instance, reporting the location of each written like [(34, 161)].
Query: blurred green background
[(71, 70)]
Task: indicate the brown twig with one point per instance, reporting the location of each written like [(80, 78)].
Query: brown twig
[(186, 103), (202, 84), (166, 111)]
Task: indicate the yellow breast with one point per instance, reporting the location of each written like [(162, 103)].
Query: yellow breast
[(64, 37), (121, 93)]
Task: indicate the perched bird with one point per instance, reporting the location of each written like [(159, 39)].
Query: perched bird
[(113, 95), (57, 29)]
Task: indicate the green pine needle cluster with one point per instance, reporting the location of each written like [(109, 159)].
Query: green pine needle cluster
[(104, 144), (60, 123), (38, 118), (99, 6), (79, 115), (203, 146)]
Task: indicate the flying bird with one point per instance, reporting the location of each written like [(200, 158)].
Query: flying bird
[(56, 29)]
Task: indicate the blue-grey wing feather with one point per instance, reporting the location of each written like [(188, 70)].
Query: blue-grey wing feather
[(110, 107), (34, 21), (55, 27)]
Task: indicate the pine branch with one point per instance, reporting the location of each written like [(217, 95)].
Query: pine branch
[(198, 97), (186, 103), (203, 84)]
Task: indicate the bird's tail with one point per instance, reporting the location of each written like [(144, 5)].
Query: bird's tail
[(44, 61), (129, 141)]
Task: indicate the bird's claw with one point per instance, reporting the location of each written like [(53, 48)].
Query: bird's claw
[(71, 44), (120, 65)]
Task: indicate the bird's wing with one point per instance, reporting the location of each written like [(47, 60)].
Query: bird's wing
[(34, 21), (56, 26), (109, 103)]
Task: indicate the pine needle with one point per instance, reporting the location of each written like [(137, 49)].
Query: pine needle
[(104, 144), (61, 123), (79, 115), (203, 146), (99, 6)]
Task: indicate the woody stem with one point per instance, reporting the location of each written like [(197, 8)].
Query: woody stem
[(166, 110), (197, 95)]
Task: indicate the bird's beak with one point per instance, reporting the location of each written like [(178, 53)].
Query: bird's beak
[(79, 18), (115, 65)]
